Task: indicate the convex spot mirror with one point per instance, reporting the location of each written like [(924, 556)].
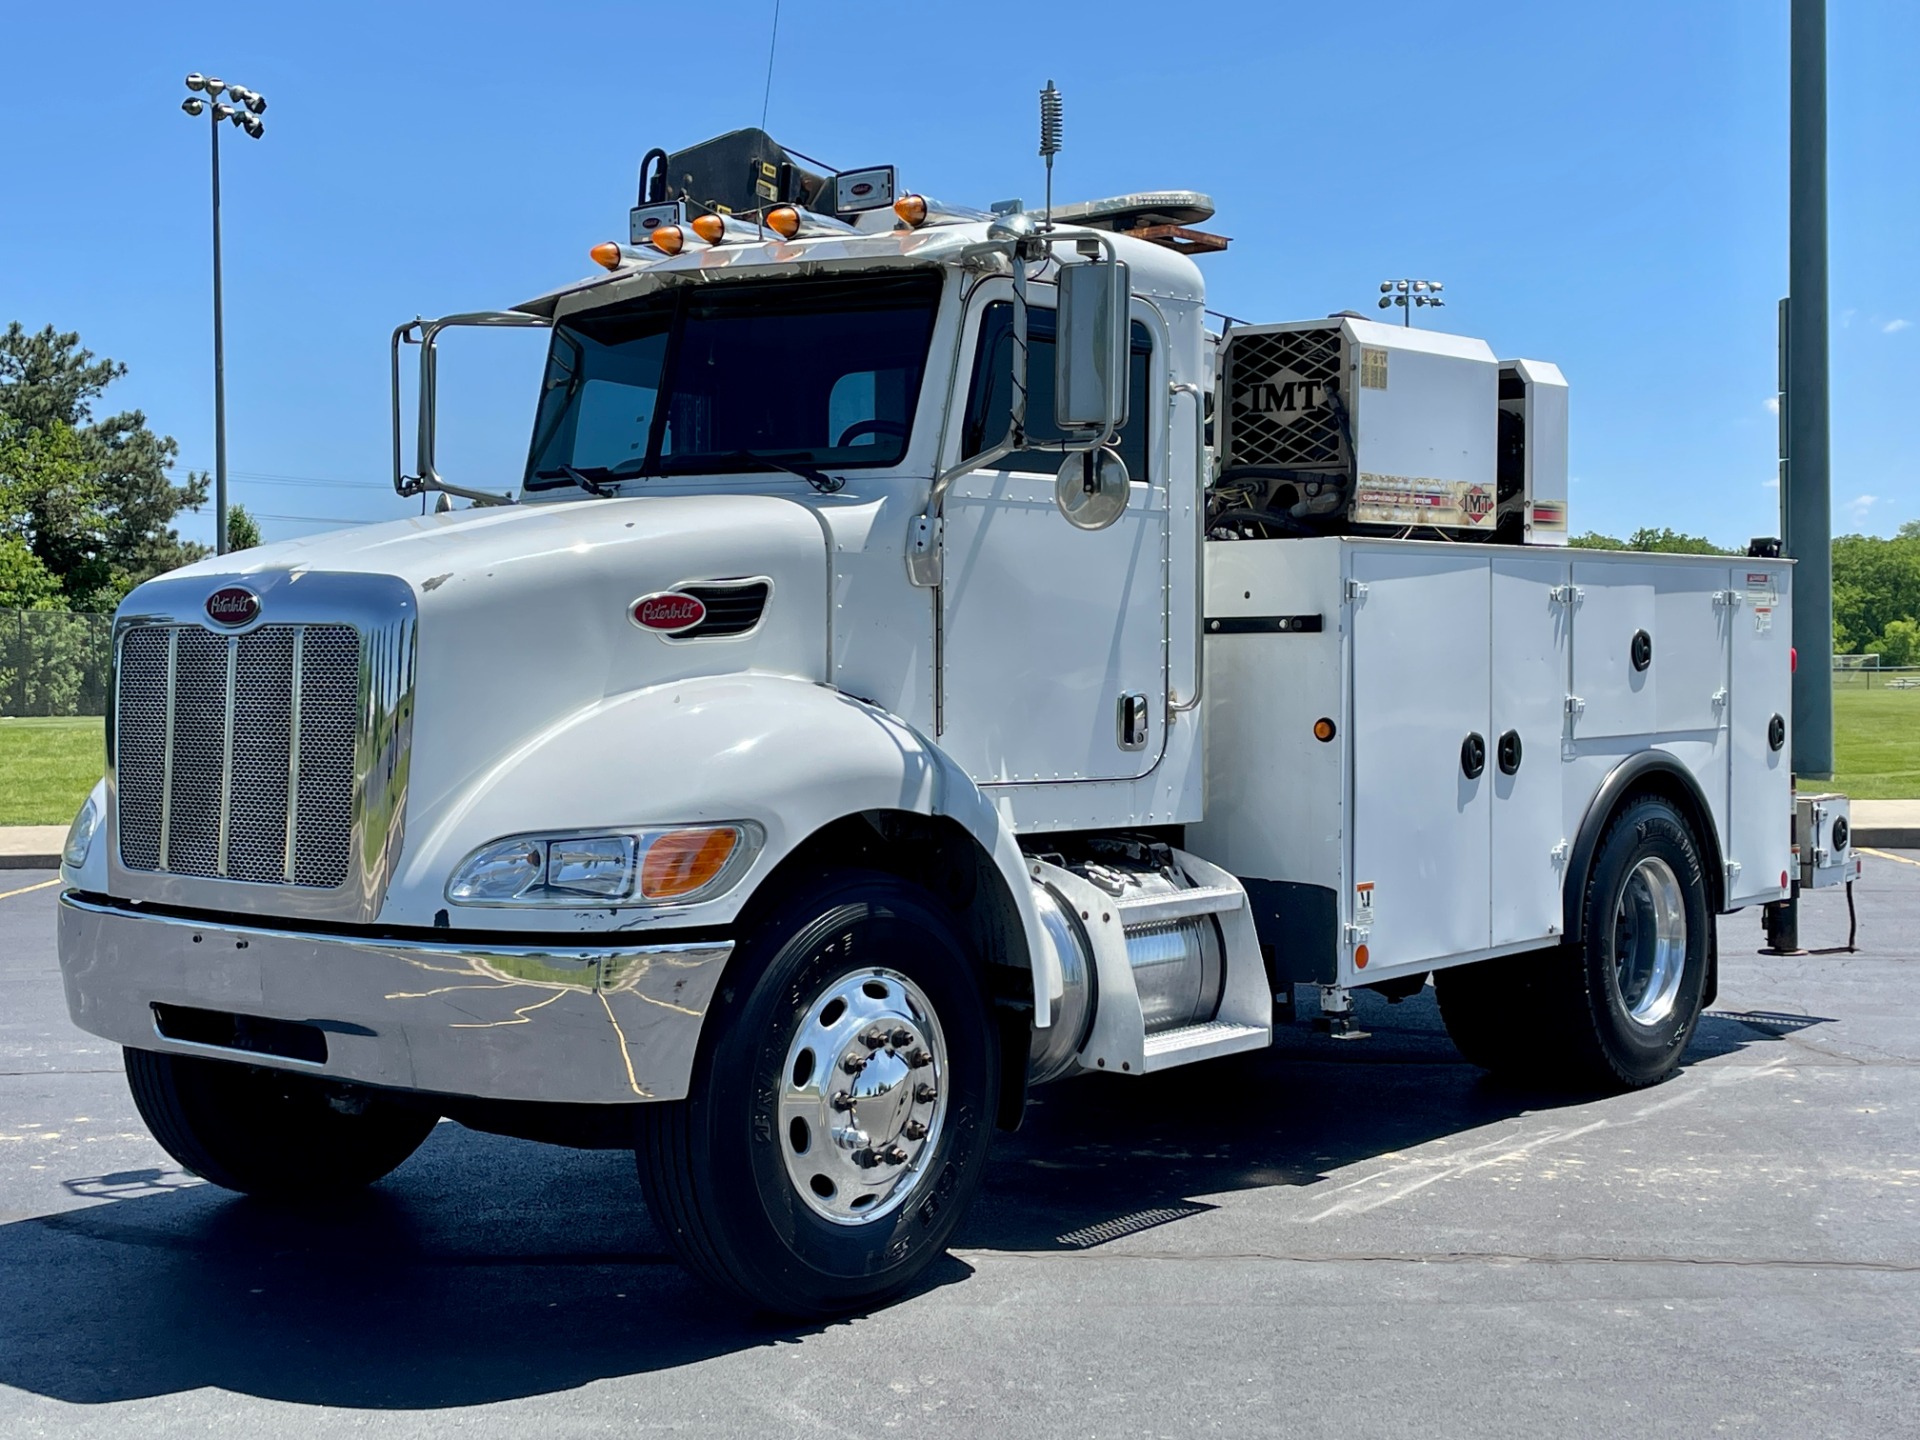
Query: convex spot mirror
[(1090, 349), (1092, 488)]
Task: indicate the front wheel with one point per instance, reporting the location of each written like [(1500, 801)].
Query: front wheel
[(841, 1104), (271, 1132)]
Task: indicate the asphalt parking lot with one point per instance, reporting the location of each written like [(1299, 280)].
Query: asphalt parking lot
[(1338, 1238)]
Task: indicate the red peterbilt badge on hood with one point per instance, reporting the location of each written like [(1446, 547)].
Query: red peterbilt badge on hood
[(232, 605), (668, 612)]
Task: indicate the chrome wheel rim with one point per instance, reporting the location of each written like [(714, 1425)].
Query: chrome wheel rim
[(862, 1099), (1650, 941)]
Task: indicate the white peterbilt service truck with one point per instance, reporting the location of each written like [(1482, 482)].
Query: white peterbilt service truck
[(921, 662)]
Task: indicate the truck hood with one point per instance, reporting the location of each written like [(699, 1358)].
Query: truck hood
[(524, 613)]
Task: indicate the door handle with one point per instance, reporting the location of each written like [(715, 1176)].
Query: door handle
[(1473, 755), (1510, 750)]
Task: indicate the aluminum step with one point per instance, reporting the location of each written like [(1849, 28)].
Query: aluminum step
[(1179, 904), (1202, 1042)]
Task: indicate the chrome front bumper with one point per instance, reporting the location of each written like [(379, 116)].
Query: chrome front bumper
[(587, 1024)]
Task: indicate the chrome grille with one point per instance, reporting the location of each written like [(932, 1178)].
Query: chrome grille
[(235, 754)]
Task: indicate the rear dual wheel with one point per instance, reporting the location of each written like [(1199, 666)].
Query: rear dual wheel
[(1618, 1010), (840, 1107)]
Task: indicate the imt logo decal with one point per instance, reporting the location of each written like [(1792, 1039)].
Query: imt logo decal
[(1283, 394)]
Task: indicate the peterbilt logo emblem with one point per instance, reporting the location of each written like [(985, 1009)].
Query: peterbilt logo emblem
[(668, 612), (233, 605)]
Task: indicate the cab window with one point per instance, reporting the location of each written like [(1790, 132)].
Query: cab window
[(990, 400)]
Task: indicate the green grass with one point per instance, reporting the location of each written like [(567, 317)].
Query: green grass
[(1876, 734), (47, 767)]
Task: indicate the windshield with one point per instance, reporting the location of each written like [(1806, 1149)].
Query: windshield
[(807, 374)]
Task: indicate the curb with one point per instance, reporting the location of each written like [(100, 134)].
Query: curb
[(1888, 837)]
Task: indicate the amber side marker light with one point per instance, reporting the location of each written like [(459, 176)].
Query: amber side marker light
[(784, 221), (1323, 730), (606, 254), (1360, 957), (683, 861), (912, 210), (710, 228), (668, 239)]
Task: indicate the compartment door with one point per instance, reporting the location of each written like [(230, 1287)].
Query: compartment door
[(1420, 657), (1529, 681), (1759, 802), (1616, 603)]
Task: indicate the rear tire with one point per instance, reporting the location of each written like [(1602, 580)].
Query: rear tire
[(271, 1132), (1616, 1011), (840, 1106)]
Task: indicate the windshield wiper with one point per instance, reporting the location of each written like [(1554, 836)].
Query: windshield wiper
[(587, 480), (826, 484)]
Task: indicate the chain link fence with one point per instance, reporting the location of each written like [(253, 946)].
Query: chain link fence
[(53, 662)]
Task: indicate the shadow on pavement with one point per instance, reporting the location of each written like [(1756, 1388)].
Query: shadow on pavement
[(489, 1269)]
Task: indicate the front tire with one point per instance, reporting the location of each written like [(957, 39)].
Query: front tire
[(271, 1132), (840, 1107)]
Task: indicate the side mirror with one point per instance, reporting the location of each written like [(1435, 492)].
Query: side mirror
[(424, 333), (1092, 488), (1090, 349)]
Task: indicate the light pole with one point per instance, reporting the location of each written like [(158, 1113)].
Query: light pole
[(1409, 293), (244, 112)]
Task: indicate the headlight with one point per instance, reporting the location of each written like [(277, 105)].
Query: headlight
[(675, 865), (80, 834)]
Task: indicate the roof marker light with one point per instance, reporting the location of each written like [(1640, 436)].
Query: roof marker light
[(606, 254), (784, 221), (912, 210), (710, 228), (668, 239)]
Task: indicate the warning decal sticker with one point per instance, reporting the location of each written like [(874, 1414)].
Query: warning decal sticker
[(1763, 594)]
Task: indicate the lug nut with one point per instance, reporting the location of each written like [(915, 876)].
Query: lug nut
[(896, 1155), (865, 1159), (919, 1059), (843, 1101), (854, 1064), (901, 1038), (914, 1130), (874, 1039), (924, 1094)]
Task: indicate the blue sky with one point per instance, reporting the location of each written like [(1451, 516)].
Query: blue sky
[(1601, 185)]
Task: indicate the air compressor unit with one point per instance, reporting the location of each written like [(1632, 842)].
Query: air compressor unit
[(1346, 425)]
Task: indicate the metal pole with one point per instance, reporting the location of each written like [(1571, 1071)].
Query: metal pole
[(1806, 499), (219, 359)]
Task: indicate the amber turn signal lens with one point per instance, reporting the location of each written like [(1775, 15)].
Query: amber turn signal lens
[(1360, 957), (1323, 729), (784, 221), (709, 228), (606, 253), (912, 209), (683, 861), (669, 239)]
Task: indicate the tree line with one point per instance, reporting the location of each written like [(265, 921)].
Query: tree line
[(1876, 585)]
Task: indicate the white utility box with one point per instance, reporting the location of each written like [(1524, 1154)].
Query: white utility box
[(1405, 739)]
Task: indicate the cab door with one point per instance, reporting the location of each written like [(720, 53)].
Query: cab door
[(1053, 643)]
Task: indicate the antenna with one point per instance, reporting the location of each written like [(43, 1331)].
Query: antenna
[(1050, 138)]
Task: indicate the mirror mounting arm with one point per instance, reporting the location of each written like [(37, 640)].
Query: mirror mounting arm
[(424, 333), (1020, 250)]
